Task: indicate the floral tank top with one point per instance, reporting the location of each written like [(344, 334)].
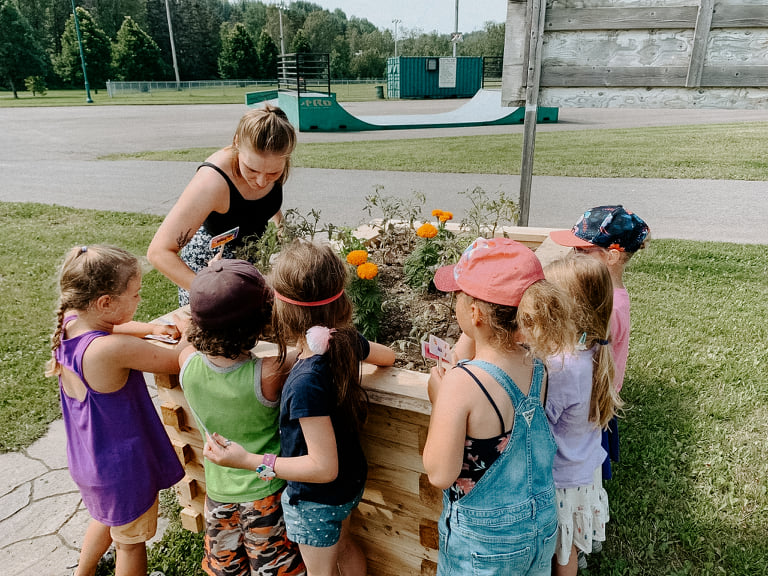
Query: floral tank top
[(479, 453)]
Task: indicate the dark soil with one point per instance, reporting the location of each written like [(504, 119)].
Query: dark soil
[(410, 316)]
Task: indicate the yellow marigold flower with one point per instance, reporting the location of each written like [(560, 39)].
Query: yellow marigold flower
[(437, 213), (445, 216), (357, 257), (367, 271), (426, 230)]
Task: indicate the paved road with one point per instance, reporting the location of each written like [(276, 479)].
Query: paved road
[(50, 155)]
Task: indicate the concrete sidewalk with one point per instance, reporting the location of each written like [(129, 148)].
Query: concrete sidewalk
[(42, 518)]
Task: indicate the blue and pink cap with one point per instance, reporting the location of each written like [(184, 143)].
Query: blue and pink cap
[(610, 227)]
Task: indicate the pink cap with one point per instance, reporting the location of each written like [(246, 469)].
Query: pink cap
[(497, 270)]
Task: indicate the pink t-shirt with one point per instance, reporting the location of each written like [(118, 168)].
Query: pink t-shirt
[(620, 334)]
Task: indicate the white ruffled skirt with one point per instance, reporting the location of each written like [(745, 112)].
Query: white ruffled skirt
[(582, 514)]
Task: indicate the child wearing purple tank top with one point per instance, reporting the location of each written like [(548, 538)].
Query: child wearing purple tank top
[(117, 450)]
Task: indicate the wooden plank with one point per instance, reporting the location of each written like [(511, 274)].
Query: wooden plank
[(700, 40), (192, 520), (427, 504), (383, 424), (514, 67), (537, 16), (173, 416), (391, 454), (734, 76), (618, 76), (609, 18), (739, 16), (752, 98), (166, 381), (401, 533)]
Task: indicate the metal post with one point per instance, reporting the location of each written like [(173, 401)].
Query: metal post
[(456, 27), (82, 54), (173, 45), (280, 16), (396, 22)]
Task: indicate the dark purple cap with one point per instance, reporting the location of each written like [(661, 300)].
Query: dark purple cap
[(229, 293)]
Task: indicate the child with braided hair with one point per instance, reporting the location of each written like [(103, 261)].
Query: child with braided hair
[(117, 450)]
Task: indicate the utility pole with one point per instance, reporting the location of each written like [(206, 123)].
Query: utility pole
[(280, 16), (396, 22), (456, 28), (173, 46), (88, 99)]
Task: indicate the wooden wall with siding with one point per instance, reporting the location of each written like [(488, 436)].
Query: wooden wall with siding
[(396, 522), (643, 53)]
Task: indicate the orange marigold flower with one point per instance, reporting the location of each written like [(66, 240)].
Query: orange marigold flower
[(357, 257), (436, 213), (426, 230), (445, 216), (367, 271)]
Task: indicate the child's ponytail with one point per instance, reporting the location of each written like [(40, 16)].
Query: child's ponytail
[(604, 403)]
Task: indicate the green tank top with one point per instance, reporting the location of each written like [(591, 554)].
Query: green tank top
[(229, 401)]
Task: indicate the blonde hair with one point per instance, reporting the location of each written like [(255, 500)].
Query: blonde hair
[(588, 282), (265, 129), (309, 272), (87, 273)]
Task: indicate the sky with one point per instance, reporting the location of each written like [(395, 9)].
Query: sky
[(428, 15)]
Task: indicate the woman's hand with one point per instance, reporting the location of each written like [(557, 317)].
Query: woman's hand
[(224, 452)]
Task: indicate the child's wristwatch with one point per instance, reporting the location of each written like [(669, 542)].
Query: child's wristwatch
[(266, 470)]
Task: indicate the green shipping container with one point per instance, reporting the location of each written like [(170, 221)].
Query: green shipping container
[(434, 77)]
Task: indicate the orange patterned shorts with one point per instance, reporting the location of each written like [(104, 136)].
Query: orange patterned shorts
[(248, 538)]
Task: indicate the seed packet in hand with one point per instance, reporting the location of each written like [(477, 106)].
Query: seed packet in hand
[(426, 352), (440, 348), (221, 239)]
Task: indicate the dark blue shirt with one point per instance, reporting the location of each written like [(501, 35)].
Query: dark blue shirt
[(310, 392)]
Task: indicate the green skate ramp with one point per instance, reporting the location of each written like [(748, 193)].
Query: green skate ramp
[(317, 112)]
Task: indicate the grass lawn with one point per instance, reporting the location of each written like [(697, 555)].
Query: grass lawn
[(690, 495), (345, 92), (715, 151)]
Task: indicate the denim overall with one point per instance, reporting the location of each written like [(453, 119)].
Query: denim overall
[(507, 523)]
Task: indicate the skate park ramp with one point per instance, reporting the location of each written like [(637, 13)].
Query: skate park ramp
[(319, 112)]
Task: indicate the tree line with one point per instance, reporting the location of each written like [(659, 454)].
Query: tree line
[(130, 40)]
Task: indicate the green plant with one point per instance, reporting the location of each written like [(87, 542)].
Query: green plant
[(260, 250), (488, 214), (364, 290), (436, 246), (393, 208), (36, 85)]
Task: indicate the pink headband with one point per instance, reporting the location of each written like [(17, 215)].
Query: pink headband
[(318, 303)]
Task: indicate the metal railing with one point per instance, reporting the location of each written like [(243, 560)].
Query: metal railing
[(120, 88), (304, 73), (492, 71)]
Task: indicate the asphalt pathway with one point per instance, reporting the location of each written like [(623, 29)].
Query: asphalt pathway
[(50, 155)]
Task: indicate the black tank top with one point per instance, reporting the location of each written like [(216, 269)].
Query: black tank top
[(252, 216)]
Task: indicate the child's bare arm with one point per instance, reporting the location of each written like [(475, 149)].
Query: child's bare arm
[(142, 329), (444, 448), (464, 348), (320, 465), (380, 355), (107, 360)]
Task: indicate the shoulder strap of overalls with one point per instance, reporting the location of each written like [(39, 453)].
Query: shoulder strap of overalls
[(487, 395), (509, 385)]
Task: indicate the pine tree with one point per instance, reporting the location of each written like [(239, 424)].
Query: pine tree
[(135, 56), (268, 53), (238, 58), (97, 50), (20, 52)]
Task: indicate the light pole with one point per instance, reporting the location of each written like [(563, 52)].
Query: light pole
[(82, 54), (280, 16), (456, 28), (173, 46), (396, 22)]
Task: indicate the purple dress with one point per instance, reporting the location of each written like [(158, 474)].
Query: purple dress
[(118, 452)]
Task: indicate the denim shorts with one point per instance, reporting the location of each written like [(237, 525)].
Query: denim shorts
[(315, 524)]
